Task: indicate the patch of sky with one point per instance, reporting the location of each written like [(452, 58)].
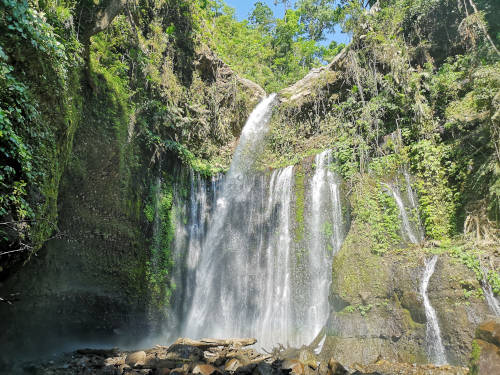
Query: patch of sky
[(244, 8)]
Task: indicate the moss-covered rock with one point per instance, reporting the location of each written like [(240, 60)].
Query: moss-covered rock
[(377, 303)]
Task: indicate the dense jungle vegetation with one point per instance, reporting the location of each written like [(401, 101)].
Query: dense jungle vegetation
[(418, 85)]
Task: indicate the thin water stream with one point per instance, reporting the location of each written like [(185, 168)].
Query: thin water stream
[(435, 346)]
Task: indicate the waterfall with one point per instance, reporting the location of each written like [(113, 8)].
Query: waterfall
[(412, 231), (326, 236), (240, 269), (492, 301), (435, 346), (227, 279)]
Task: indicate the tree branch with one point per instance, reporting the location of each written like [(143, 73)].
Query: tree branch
[(482, 26)]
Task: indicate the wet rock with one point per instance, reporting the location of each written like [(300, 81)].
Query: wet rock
[(383, 367), (180, 370), (99, 352), (294, 366), (161, 371), (323, 369), (184, 352), (264, 369), (137, 372), (490, 332), (123, 368), (485, 356), (114, 361), (489, 358), (203, 369), (246, 370), (336, 368), (136, 358), (308, 358), (232, 365)]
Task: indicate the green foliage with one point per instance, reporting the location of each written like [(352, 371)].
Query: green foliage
[(414, 89), (38, 115), (361, 308), (376, 210), (435, 197), (475, 355), (272, 52), (160, 212), (318, 16), (493, 278), (468, 258), (187, 157)]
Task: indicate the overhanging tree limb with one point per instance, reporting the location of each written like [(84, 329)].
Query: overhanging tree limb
[(483, 27)]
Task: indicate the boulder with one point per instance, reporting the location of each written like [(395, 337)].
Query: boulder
[(136, 358), (489, 331), (336, 368), (294, 366), (123, 368), (485, 355), (323, 369), (203, 369), (180, 370), (264, 369), (246, 370), (308, 358), (232, 365), (489, 358)]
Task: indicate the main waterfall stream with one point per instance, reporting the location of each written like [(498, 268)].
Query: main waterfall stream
[(241, 271)]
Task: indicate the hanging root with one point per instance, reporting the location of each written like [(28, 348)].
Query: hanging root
[(478, 227)]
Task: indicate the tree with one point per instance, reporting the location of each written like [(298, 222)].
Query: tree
[(318, 17), (262, 16), (286, 3)]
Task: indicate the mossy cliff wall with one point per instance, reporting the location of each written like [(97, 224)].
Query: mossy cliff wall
[(377, 307), (104, 278)]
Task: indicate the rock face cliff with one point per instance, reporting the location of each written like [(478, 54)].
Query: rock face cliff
[(106, 278), (379, 311), (92, 284)]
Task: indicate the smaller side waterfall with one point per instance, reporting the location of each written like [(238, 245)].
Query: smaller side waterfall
[(492, 301), (326, 234), (435, 348), (410, 225)]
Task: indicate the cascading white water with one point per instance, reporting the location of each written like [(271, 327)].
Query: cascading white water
[(411, 230), (435, 346), (492, 301), (325, 239), (240, 269), (228, 282)]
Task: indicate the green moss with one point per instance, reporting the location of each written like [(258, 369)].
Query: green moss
[(357, 270), (376, 211), (475, 355), (361, 308), (409, 320)]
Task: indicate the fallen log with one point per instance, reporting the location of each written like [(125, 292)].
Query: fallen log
[(100, 352), (211, 343)]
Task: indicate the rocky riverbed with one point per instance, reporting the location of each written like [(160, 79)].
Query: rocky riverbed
[(216, 357)]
